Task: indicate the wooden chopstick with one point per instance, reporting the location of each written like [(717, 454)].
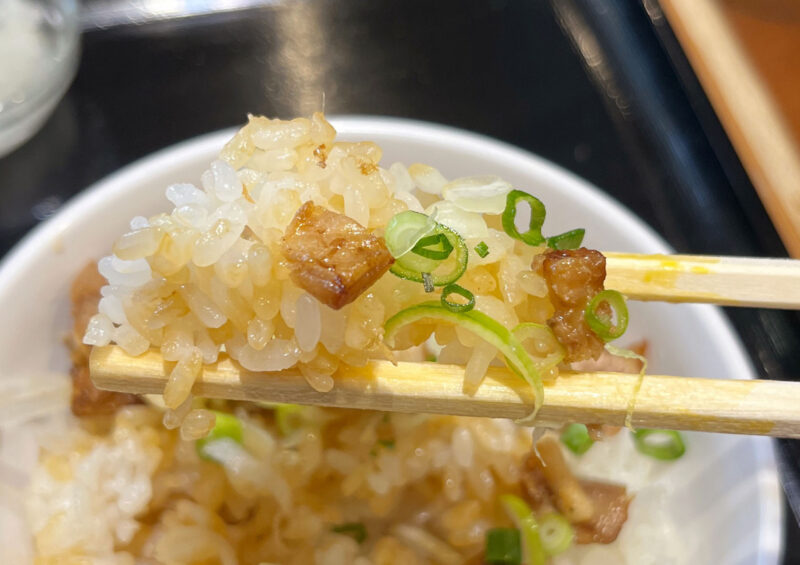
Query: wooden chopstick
[(726, 281), (755, 407), (741, 98)]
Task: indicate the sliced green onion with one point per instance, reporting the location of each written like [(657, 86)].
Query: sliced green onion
[(427, 247), (603, 325), (226, 426), (430, 358), (503, 547), (556, 533), (534, 234), (427, 282), (453, 288), (288, 418), (544, 338), (522, 516), (355, 530), (485, 327), (630, 354), (568, 240), (665, 445), (482, 249), (387, 443), (405, 229), (412, 265), (576, 438)]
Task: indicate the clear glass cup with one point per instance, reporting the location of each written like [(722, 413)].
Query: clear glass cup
[(39, 51)]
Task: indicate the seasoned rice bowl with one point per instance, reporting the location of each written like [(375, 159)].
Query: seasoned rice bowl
[(456, 438)]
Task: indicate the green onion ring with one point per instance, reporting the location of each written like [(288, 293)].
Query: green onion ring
[(411, 266), (665, 445), (531, 330), (538, 212), (602, 325), (576, 438), (405, 229), (425, 247), (453, 288), (556, 533)]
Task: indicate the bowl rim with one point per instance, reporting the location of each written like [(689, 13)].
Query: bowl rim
[(31, 247)]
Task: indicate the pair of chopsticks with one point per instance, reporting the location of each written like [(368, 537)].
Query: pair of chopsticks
[(757, 407)]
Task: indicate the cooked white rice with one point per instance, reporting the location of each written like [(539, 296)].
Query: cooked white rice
[(141, 494), (210, 277)]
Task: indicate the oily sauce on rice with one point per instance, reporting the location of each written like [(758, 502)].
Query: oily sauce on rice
[(331, 256), (300, 252)]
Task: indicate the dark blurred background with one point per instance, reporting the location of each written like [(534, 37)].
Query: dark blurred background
[(599, 87)]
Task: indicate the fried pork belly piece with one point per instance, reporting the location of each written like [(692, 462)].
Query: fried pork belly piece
[(597, 510), (86, 399), (611, 511), (573, 277), (331, 256)]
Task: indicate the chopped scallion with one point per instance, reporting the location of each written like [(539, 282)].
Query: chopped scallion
[(603, 324), (503, 547), (453, 288), (522, 516), (482, 249), (576, 438), (534, 234), (436, 247), (405, 229), (568, 240), (556, 533), (481, 325), (427, 282), (544, 341), (387, 443), (226, 426), (355, 530), (665, 445)]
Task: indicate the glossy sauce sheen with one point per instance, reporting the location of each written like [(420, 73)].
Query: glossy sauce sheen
[(573, 277), (331, 256)]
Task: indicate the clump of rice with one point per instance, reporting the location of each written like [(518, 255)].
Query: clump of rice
[(139, 493), (209, 276)]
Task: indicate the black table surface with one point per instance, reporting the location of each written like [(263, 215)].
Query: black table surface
[(600, 87)]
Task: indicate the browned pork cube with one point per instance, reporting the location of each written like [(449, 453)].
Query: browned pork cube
[(611, 511), (331, 256), (573, 277)]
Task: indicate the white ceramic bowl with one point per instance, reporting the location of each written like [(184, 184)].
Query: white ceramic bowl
[(728, 503), (39, 85)]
